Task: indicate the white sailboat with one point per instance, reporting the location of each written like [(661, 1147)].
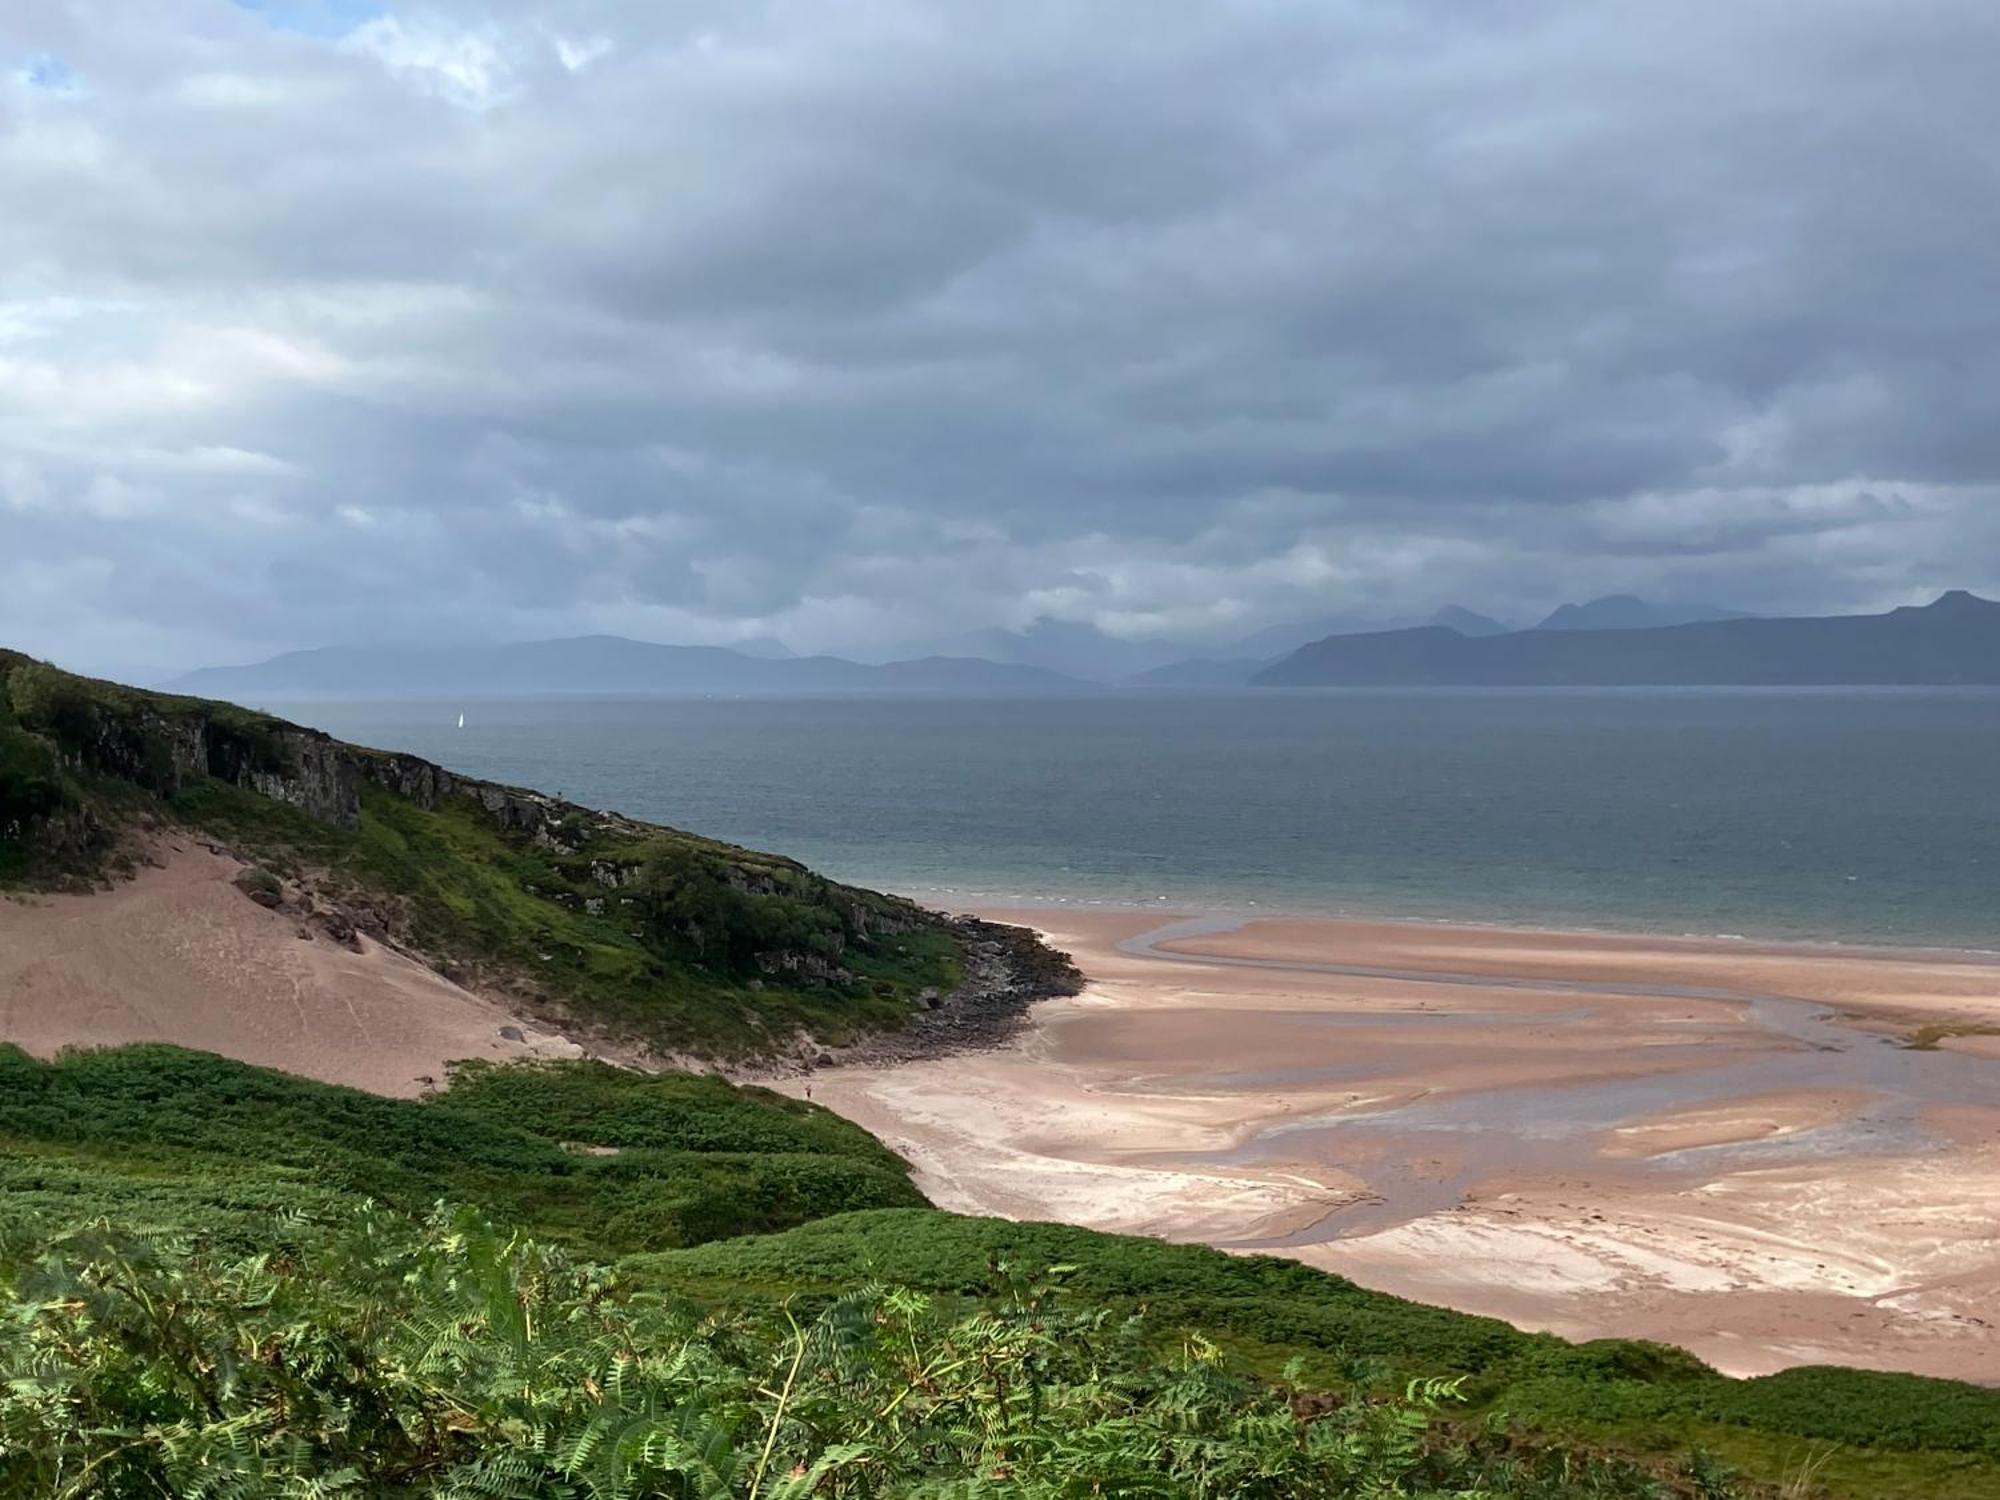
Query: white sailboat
[(461, 718)]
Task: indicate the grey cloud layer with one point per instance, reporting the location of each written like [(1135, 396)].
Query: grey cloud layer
[(858, 322)]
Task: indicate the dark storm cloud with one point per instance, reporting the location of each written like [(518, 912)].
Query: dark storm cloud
[(332, 320)]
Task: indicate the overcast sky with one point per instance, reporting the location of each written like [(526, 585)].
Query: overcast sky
[(334, 320)]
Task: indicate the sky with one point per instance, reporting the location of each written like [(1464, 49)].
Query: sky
[(335, 321)]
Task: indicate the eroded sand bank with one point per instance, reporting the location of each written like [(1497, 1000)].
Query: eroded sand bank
[(179, 955), (1719, 1145)]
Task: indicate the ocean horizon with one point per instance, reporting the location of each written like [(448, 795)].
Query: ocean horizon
[(1850, 816)]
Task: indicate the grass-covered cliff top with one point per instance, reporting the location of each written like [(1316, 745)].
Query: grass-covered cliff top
[(686, 944)]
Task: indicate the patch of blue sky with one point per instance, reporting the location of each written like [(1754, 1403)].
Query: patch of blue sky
[(330, 19), (47, 71)]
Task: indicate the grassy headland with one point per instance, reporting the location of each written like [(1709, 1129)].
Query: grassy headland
[(591, 919)]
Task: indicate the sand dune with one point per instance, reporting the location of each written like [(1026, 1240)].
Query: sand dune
[(179, 955), (1710, 1144)]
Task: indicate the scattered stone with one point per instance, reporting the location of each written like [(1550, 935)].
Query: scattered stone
[(339, 926), (261, 886), (513, 1033)]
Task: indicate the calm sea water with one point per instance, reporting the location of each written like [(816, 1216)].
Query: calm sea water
[(1855, 816)]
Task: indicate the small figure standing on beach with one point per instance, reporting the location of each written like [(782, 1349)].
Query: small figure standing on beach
[(809, 1091)]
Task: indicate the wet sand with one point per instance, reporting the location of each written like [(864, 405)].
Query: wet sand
[(1715, 1144)]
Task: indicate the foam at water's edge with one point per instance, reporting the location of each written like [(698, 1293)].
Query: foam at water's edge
[(973, 898)]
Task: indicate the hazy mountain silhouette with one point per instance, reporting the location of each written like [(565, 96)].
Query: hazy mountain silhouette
[(1467, 622), (1074, 648), (603, 664), (1956, 640), (1234, 666), (1629, 612), (1068, 647), (1202, 671)]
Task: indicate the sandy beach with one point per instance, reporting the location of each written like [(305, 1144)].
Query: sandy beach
[(178, 954), (1726, 1146)]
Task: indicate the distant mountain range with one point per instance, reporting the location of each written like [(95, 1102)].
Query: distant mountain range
[(1235, 665), (1953, 641), (601, 664), (1068, 647), (1618, 639), (1076, 649), (1627, 612), (1467, 621)]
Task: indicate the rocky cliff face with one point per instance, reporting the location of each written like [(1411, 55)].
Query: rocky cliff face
[(549, 821), (165, 753), (308, 771), (163, 745)]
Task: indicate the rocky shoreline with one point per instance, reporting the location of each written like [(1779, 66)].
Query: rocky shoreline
[(1008, 970)]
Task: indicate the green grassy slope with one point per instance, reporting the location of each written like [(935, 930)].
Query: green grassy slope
[(158, 1138), (628, 928), (621, 1167), (1878, 1436), (455, 1360)]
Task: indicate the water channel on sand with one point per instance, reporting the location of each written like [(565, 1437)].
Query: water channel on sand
[(1722, 1145), (1511, 1130)]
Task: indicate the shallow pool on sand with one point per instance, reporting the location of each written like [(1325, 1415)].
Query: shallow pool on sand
[(1722, 1145)]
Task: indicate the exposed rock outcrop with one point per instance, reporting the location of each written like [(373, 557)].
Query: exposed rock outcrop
[(316, 775), (1007, 969)]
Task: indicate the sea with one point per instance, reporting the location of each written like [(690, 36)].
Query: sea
[(1868, 816)]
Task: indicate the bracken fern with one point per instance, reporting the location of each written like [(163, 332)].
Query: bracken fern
[(459, 1360)]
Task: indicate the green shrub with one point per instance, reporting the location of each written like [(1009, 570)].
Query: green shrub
[(463, 1361), (31, 784), (596, 1104), (259, 884)]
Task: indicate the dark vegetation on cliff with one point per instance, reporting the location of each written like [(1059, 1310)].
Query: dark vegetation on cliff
[(591, 919)]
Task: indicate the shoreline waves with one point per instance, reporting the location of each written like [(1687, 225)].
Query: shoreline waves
[(1025, 907)]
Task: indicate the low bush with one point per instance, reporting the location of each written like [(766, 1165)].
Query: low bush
[(462, 1361)]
